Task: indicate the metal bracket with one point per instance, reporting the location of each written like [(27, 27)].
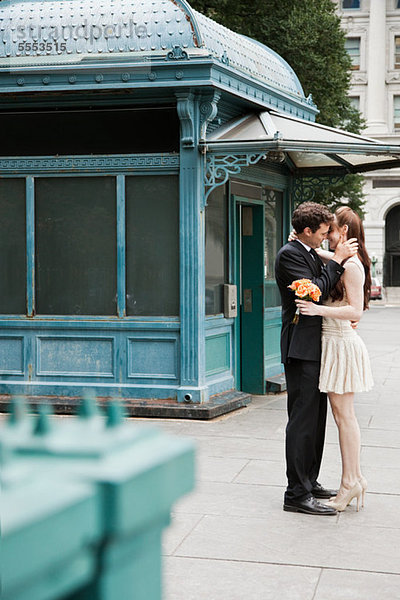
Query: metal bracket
[(219, 167), (208, 112), (185, 108)]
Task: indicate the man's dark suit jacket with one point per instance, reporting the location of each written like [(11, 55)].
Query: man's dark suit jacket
[(302, 341)]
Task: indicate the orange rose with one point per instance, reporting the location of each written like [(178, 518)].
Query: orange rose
[(302, 291)]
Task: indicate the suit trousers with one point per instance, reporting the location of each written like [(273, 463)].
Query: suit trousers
[(305, 431)]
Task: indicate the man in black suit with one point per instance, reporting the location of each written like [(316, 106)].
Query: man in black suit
[(301, 356)]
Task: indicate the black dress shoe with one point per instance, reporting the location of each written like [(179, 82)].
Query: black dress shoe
[(310, 506), (320, 492)]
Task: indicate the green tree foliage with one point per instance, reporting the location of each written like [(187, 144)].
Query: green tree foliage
[(307, 34)]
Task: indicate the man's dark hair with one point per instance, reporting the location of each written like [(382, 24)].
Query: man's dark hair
[(312, 215)]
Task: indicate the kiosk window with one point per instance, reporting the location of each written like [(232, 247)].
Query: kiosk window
[(216, 250), (76, 256), (12, 246), (152, 245)]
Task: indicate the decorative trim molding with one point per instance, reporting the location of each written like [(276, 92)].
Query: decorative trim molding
[(75, 164), (357, 77), (177, 53), (305, 188), (161, 73), (393, 77), (219, 167)]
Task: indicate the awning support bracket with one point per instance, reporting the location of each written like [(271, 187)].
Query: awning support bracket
[(219, 167)]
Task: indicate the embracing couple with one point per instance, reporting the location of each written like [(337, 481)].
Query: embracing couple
[(322, 353)]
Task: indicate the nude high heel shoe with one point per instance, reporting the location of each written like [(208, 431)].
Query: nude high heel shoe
[(340, 504), (364, 484)]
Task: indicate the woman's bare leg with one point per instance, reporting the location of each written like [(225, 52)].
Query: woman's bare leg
[(349, 438)]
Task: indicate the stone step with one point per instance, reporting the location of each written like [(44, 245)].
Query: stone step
[(276, 384), (217, 405)]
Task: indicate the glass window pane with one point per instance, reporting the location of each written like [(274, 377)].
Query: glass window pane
[(355, 102), (216, 250), (12, 246), (152, 241), (396, 111), (76, 255), (352, 46), (350, 3), (392, 232), (397, 52), (273, 241)]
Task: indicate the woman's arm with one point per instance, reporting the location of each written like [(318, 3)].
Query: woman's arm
[(353, 283), (324, 255)]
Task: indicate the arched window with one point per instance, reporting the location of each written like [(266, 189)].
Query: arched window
[(392, 245)]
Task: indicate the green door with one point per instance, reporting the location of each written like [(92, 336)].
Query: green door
[(250, 281)]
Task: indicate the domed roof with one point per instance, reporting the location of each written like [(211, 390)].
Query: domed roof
[(34, 32)]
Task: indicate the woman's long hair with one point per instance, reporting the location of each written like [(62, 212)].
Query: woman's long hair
[(346, 216)]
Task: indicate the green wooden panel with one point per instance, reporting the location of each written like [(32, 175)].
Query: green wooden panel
[(217, 353), (272, 334), (252, 308)]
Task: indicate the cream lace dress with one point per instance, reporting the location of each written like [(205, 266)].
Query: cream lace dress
[(345, 365)]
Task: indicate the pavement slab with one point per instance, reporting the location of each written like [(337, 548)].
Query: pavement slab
[(213, 580), (361, 585), (298, 540)]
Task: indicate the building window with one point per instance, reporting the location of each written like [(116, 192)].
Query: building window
[(397, 51), (397, 3), (396, 112), (352, 46), (355, 102), (352, 4)]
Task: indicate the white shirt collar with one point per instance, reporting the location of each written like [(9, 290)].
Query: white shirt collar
[(308, 248)]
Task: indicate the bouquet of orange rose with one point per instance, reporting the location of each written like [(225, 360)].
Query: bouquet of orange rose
[(306, 290)]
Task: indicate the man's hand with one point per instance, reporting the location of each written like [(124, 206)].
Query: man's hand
[(345, 249)]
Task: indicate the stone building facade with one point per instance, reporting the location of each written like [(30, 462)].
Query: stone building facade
[(373, 41)]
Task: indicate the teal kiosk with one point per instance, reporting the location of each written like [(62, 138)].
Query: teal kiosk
[(149, 164)]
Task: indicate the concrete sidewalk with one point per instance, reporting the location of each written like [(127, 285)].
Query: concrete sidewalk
[(231, 540)]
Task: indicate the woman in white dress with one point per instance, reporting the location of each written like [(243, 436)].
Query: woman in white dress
[(345, 366)]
